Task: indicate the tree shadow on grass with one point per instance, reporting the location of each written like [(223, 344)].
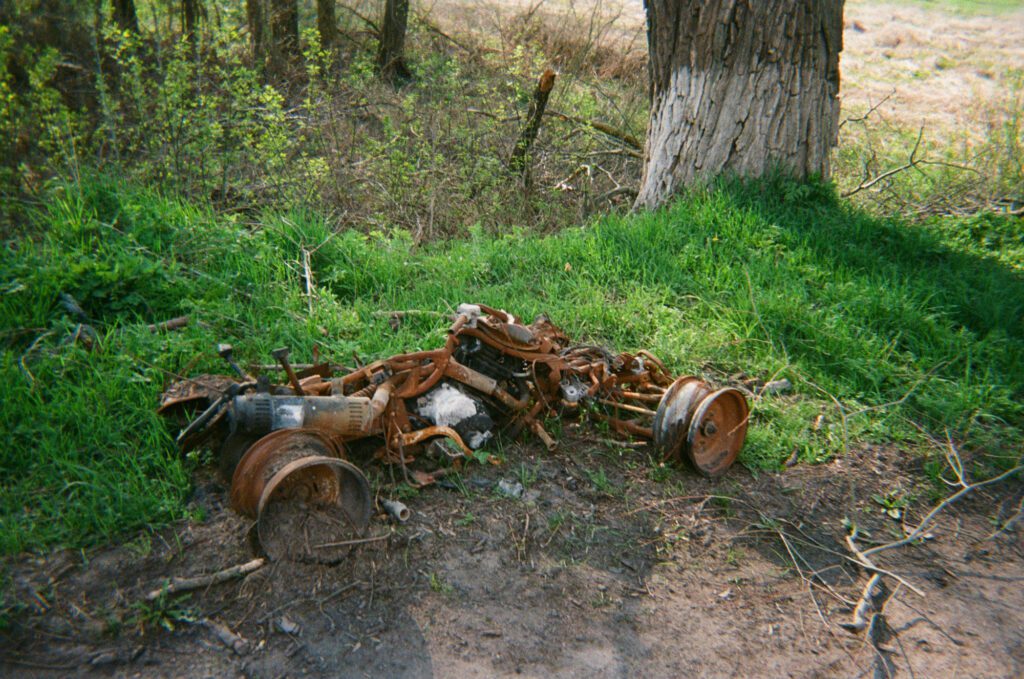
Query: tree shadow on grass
[(881, 309)]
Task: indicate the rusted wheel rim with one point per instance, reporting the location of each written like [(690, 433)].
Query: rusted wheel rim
[(312, 509), (716, 431), (231, 452), (672, 418), (269, 454)]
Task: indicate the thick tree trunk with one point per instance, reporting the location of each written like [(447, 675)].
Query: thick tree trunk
[(740, 87), (326, 23), (284, 31), (190, 19), (391, 55), (125, 16), (256, 17)]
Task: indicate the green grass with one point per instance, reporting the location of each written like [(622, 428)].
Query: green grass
[(771, 279), (972, 6)]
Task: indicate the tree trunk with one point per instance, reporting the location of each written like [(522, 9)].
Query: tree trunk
[(518, 160), (284, 31), (256, 17), (739, 87), (125, 16), (190, 20), (326, 23), (391, 56)]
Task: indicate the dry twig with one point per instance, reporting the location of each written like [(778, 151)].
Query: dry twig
[(913, 161), (178, 585)]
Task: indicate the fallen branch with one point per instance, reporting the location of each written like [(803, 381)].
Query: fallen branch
[(620, 191), (235, 642), (167, 326), (1010, 522), (365, 19), (179, 585), (481, 112), (433, 28), (625, 137), (410, 312), (913, 161), (869, 613), (360, 541), (927, 520), (869, 565)]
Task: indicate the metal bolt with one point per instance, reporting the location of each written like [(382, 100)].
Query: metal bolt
[(281, 356), (710, 429), (225, 351)]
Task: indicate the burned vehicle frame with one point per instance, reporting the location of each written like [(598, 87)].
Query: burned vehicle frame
[(284, 447)]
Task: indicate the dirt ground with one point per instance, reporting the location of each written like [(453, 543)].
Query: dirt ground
[(607, 566)]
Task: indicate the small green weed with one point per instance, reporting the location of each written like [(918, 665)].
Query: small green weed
[(403, 491), (658, 471), (141, 546), (439, 584), (166, 612), (556, 520), (460, 484), (893, 503), (599, 479), (526, 474)]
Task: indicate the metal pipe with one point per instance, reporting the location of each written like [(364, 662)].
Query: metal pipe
[(625, 406), (396, 510), (380, 399)]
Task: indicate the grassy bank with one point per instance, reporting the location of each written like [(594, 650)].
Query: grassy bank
[(904, 330)]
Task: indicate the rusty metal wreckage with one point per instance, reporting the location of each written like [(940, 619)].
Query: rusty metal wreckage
[(284, 447)]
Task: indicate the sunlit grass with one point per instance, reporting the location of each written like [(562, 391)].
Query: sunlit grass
[(908, 328)]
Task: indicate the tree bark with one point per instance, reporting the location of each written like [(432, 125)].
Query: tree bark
[(284, 31), (190, 20), (391, 55), (125, 16), (326, 23), (739, 87), (256, 17)]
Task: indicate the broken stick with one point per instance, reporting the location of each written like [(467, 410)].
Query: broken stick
[(172, 324), (625, 137), (178, 585), (517, 163)]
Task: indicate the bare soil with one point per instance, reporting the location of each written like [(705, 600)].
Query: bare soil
[(596, 570)]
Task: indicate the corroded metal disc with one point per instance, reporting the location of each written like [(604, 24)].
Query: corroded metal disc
[(717, 431), (269, 454), (309, 504), (673, 416), (705, 427), (313, 509)]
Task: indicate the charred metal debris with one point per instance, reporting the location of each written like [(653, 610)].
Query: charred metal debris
[(287, 448)]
